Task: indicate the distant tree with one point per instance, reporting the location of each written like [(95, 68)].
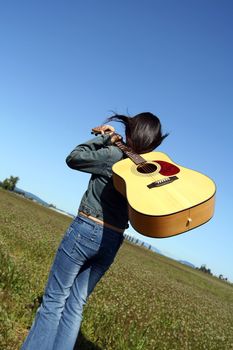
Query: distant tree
[(52, 206), (10, 183), (203, 268), (221, 277)]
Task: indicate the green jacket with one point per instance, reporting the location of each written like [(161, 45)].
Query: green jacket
[(100, 200)]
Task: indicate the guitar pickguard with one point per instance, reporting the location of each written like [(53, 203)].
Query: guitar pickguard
[(167, 169)]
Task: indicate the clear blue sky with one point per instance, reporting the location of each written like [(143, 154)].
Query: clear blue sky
[(64, 65)]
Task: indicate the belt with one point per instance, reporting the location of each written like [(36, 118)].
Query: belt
[(117, 229)]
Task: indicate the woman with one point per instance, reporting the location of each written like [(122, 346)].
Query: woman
[(90, 244)]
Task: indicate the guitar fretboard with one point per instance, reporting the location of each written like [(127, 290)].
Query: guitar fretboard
[(136, 158)]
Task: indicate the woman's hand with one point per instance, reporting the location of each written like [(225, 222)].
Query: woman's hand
[(103, 129), (107, 129), (115, 138)]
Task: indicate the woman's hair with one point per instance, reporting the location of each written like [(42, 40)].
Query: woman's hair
[(143, 131)]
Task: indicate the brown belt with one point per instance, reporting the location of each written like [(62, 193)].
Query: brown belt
[(117, 229)]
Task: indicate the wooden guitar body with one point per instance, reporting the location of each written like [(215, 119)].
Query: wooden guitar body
[(164, 199)]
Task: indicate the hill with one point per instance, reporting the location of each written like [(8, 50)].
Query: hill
[(37, 199), (31, 196), (144, 302), (187, 263)]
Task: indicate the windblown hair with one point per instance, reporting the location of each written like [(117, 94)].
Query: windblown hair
[(143, 131)]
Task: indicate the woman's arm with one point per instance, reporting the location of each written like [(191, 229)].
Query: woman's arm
[(93, 156)]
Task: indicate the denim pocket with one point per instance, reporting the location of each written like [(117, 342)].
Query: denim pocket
[(85, 225), (86, 234)]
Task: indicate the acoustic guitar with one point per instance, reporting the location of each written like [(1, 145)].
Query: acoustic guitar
[(164, 199)]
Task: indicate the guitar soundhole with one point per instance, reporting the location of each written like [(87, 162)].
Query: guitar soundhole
[(146, 168)]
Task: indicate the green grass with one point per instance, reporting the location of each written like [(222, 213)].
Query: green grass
[(145, 301)]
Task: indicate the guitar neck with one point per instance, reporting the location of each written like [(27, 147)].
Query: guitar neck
[(136, 158)]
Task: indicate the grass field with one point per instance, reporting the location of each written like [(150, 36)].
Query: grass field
[(144, 302)]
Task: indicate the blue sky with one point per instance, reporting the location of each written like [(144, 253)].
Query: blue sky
[(65, 65)]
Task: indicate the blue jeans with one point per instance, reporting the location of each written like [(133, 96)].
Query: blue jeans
[(84, 255)]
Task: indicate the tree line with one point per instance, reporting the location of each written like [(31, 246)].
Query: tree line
[(9, 183), (203, 267)]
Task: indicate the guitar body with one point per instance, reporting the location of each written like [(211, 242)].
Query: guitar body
[(164, 199)]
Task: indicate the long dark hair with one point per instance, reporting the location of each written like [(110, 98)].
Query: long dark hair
[(143, 131)]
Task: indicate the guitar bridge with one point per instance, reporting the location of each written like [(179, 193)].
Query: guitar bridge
[(162, 182)]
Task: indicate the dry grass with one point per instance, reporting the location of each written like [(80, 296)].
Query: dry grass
[(145, 301)]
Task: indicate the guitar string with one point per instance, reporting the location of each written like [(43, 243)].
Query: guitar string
[(147, 167)]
